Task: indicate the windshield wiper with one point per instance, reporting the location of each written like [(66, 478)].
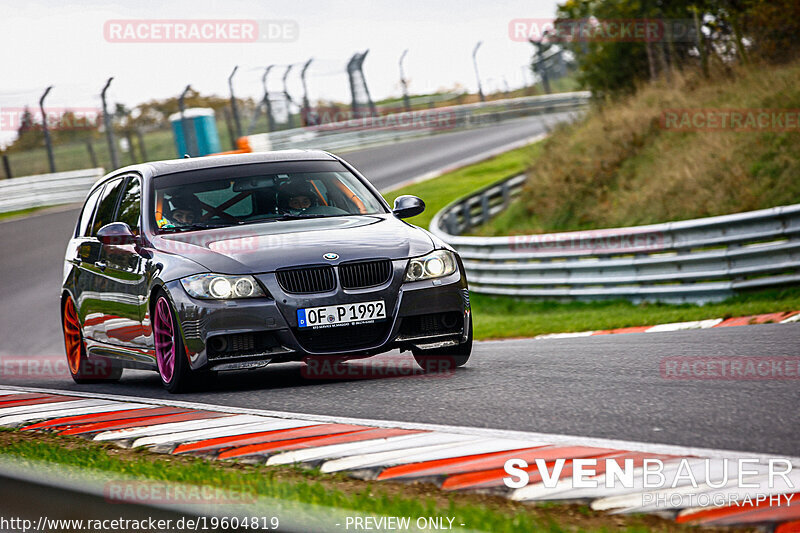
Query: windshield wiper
[(195, 226), (298, 217)]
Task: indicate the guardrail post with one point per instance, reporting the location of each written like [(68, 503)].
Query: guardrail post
[(485, 211), (452, 222), (467, 215), (506, 190)]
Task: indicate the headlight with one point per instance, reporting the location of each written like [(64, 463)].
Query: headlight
[(222, 287), (434, 265)]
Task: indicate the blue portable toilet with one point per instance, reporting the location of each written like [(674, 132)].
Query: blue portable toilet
[(200, 123)]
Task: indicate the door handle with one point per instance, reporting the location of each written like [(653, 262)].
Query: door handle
[(101, 265)]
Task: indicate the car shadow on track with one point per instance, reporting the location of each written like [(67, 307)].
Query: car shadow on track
[(315, 372)]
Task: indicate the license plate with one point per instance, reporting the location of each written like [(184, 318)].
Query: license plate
[(341, 315)]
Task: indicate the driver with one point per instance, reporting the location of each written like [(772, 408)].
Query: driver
[(296, 198), (185, 209)]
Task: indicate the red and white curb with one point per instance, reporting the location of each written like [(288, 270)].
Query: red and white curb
[(768, 318), (452, 457)]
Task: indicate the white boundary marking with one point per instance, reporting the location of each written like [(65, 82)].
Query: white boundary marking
[(555, 439), (184, 437)]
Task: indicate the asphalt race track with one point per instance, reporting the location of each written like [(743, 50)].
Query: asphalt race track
[(606, 386)]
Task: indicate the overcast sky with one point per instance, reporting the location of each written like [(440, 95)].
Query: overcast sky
[(63, 44)]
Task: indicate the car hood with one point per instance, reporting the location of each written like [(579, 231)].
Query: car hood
[(265, 247)]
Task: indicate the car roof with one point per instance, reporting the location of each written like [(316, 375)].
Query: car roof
[(168, 166)]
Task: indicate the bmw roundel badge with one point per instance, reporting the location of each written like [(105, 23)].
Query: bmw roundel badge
[(330, 256)]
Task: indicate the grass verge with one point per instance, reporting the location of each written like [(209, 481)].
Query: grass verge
[(439, 192), (19, 213), (499, 317), (476, 511)]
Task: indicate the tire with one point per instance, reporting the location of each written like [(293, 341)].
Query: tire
[(445, 359), (81, 368), (171, 360)]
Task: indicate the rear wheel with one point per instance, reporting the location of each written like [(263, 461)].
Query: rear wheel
[(173, 364), (81, 368), (447, 358)]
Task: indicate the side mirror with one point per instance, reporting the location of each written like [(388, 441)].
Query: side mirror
[(116, 234), (408, 206)]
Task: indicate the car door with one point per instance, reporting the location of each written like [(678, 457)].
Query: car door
[(124, 281), (78, 253), (95, 306)]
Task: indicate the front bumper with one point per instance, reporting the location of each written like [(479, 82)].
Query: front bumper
[(250, 333)]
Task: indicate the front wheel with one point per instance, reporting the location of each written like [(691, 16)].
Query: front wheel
[(173, 365), (81, 368), (447, 358)]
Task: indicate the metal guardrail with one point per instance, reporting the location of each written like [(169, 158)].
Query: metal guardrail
[(47, 189), (701, 260), (367, 131)]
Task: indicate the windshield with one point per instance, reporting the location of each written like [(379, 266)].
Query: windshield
[(193, 203)]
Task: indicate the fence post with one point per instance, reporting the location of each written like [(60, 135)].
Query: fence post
[(229, 124), (131, 150), (288, 98), (188, 129), (47, 141), (92, 155), (112, 149), (267, 103), (234, 109), (477, 75), (404, 83), (7, 166), (304, 115), (142, 149)]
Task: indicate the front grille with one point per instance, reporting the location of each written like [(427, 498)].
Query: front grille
[(342, 338), (307, 280), (365, 274)]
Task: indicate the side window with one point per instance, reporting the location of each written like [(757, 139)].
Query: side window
[(107, 205), (86, 215), (130, 206)]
